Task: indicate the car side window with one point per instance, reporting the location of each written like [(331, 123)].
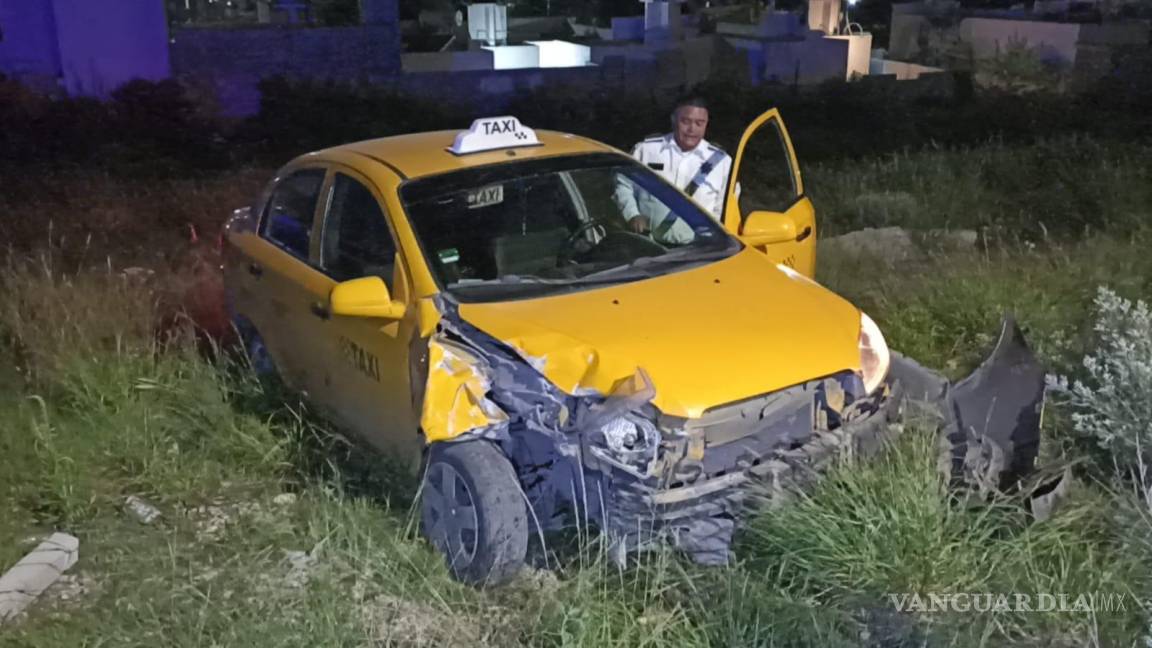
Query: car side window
[(765, 174), (288, 216), (356, 240)]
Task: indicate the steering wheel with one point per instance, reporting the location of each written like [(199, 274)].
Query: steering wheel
[(581, 230)]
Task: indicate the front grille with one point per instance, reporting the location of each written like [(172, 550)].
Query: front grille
[(743, 434)]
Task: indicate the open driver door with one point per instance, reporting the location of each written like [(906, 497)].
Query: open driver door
[(765, 203)]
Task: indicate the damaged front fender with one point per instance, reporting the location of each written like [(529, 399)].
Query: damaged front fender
[(456, 399)]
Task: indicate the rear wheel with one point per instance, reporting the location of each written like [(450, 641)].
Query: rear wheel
[(472, 510), (255, 350)]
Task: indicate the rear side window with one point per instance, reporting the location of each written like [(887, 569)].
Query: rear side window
[(287, 219), (356, 239)]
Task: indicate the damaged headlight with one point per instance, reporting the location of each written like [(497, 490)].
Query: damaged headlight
[(624, 435), (629, 441), (874, 355)]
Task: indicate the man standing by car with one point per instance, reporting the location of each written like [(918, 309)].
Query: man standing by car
[(685, 159)]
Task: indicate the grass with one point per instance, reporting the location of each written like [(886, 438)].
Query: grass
[(888, 528), (95, 411), (945, 308), (1063, 187)]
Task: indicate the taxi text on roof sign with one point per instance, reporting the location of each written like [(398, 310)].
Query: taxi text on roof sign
[(491, 133)]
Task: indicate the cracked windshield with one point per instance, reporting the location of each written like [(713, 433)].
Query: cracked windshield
[(557, 225)]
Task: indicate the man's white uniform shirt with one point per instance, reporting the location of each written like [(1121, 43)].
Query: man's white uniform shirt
[(663, 155)]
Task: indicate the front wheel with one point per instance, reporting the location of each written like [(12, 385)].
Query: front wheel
[(472, 510)]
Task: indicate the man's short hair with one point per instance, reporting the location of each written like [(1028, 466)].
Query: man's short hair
[(690, 101)]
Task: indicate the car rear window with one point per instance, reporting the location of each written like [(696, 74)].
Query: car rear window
[(287, 219)]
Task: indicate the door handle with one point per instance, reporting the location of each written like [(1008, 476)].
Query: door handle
[(320, 310), (255, 270), (805, 234)]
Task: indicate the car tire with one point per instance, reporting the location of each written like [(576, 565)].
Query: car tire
[(472, 510), (256, 351)]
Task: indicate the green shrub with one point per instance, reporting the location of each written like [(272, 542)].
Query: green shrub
[(1111, 404)]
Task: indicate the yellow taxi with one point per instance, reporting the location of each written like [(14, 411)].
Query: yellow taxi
[(475, 301)]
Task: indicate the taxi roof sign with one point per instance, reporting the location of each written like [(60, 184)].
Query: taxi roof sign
[(492, 133)]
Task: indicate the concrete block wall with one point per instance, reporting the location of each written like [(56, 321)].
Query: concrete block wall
[(490, 91), (319, 52), (788, 61), (234, 60)]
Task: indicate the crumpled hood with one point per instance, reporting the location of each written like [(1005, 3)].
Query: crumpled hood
[(711, 335)]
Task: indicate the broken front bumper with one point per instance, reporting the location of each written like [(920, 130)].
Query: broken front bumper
[(708, 473), (759, 451)]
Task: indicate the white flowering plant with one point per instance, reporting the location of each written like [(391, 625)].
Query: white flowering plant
[(1113, 403)]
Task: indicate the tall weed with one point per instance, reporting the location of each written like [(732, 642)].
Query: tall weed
[(104, 409), (889, 528), (1060, 187)]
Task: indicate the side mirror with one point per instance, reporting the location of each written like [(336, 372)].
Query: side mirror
[(241, 220), (365, 297), (766, 228)]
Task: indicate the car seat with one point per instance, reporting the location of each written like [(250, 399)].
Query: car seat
[(530, 252)]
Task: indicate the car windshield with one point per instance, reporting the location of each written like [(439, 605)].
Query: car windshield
[(537, 227)]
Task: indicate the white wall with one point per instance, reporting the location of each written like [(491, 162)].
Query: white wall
[(902, 70), (859, 53), (512, 57), (905, 34), (555, 53), (1056, 42)]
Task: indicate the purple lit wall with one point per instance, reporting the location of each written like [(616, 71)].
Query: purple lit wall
[(84, 47), (105, 43), (28, 49)]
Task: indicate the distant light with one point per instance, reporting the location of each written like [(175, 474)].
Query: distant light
[(852, 3)]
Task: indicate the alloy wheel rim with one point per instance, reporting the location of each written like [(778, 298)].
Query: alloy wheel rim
[(450, 514), (259, 358)]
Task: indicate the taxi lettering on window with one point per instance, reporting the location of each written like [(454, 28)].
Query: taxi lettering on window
[(486, 196), (361, 360)]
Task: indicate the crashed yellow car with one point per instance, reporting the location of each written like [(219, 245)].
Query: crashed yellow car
[(474, 300)]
